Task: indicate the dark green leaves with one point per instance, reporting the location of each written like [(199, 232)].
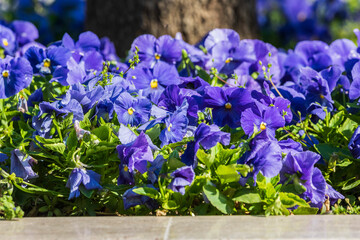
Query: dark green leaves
[(227, 173), (218, 200), (246, 195)]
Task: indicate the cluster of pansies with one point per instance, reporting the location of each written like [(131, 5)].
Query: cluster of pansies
[(285, 22), (52, 17), (226, 126)]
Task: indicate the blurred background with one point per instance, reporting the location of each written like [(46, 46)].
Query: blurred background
[(279, 22)]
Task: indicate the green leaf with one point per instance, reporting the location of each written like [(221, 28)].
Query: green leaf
[(227, 173), (170, 205), (87, 193), (102, 132), (247, 195), (56, 147), (218, 200), (67, 121), (351, 185), (147, 191), (47, 141), (293, 188), (327, 150), (154, 132), (336, 119), (207, 159), (348, 127), (224, 156), (72, 140), (290, 200), (174, 161), (305, 211), (243, 169)]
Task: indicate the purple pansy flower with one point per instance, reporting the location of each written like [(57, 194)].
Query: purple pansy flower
[(7, 39), (302, 164), (174, 96), (21, 165), (88, 41), (261, 118), (315, 53), (131, 110), (176, 126), (3, 157), (227, 57), (265, 156), (182, 177), (42, 122), (206, 136), (332, 194), (107, 49), (354, 91), (131, 199), (15, 75), (354, 144), (155, 168), (45, 61), (78, 176), (153, 81), (152, 50), (219, 35), (227, 104), (26, 32), (135, 155)]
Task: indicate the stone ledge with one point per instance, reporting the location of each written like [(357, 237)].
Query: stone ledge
[(200, 227)]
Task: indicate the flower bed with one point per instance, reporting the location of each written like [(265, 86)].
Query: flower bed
[(227, 126)]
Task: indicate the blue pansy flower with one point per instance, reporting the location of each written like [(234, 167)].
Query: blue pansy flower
[(26, 32), (226, 57), (265, 156), (261, 118), (15, 75), (21, 165), (131, 110), (302, 164), (176, 126), (88, 178), (152, 50), (227, 104), (88, 41), (7, 39), (153, 81), (131, 199), (135, 155), (155, 168), (206, 136), (174, 96), (354, 144), (107, 49), (182, 177), (45, 61), (3, 157)]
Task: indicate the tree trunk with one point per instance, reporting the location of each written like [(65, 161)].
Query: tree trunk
[(123, 20)]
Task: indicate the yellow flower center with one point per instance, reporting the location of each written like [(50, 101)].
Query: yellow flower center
[(5, 73), (169, 127), (262, 126), (322, 96), (157, 56), (47, 62), (228, 105), (126, 169), (5, 42), (154, 83), (228, 60), (131, 111)]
